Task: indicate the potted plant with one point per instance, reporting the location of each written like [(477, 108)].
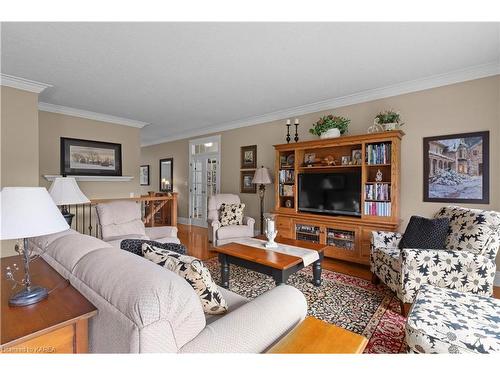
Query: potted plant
[(389, 120), (330, 126)]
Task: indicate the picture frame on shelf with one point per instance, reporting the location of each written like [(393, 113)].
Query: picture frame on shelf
[(144, 175), (357, 157), (246, 185), (346, 160), (309, 158), (83, 157), (248, 157), (456, 168)]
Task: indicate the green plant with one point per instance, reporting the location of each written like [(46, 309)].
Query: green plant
[(389, 117), (329, 122)]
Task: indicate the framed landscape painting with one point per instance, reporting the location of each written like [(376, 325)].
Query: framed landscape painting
[(248, 157), (81, 157), (456, 168), (144, 175), (246, 185)]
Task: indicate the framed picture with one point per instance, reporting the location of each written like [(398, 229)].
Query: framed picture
[(456, 168), (309, 158), (357, 157), (144, 175), (249, 157), (346, 160), (246, 185), (81, 157)]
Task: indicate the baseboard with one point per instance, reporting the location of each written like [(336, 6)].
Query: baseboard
[(184, 220), (497, 279)]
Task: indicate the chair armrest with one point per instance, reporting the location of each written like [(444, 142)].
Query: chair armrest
[(250, 221), (386, 240), (160, 232), (452, 269), (253, 327)]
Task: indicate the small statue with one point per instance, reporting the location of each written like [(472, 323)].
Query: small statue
[(379, 176)]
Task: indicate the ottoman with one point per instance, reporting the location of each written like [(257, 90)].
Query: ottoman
[(447, 321)]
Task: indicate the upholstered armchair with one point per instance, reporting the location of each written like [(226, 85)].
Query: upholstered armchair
[(220, 235), (467, 264), (119, 220)]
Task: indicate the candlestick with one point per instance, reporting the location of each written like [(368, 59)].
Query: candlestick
[(296, 138), (296, 121), (288, 131), (288, 122)]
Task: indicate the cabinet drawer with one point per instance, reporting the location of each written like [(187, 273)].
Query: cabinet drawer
[(284, 227), (58, 341)]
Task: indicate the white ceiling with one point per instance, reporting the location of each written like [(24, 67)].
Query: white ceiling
[(188, 78)]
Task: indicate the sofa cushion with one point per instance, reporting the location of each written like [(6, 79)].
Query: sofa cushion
[(423, 233), (474, 230), (120, 219), (231, 214), (135, 246), (194, 272), (234, 231)]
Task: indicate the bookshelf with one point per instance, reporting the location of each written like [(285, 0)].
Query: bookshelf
[(376, 155)]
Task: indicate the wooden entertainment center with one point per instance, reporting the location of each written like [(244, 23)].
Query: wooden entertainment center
[(347, 237)]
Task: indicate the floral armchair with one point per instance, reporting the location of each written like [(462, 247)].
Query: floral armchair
[(467, 264)]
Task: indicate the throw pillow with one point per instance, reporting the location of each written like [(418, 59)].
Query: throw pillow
[(194, 272), (135, 246), (231, 214), (422, 233)]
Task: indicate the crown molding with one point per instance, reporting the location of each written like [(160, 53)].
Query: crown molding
[(23, 84), (47, 107), (457, 76)]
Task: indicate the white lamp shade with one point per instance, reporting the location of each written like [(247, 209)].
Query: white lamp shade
[(65, 190), (29, 212), (261, 176)]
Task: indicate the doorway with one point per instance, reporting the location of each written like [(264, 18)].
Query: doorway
[(204, 176)]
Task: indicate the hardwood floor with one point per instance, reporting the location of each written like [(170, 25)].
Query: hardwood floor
[(196, 241)]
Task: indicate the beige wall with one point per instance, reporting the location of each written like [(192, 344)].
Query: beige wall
[(19, 144), (464, 107), (19, 133), (53, 126)]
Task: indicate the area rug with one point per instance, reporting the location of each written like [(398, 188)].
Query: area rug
[(346, 301)]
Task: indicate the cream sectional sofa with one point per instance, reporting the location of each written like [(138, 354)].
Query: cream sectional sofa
[(144, 308)]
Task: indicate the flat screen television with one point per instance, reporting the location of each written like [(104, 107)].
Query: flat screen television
[(330, 193)]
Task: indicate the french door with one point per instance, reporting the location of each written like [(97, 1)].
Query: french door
[(204, 177)]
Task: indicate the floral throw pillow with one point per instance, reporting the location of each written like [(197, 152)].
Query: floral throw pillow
[(231, 214), (194, 272)]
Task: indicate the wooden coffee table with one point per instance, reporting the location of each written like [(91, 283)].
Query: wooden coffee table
[(279, 266), (313, 336)]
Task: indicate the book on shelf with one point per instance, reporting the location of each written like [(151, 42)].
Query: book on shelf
[(378, 191), (286, 176), (379, 153), (378, 208)]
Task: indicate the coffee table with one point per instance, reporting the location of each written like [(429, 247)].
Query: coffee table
[(279, 266)]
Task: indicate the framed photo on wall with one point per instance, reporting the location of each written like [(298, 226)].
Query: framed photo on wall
[(246, 185), (144, 175), (456, 168), (80, 157), (249, 157)]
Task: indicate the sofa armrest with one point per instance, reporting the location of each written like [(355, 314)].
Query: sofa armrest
[(160, 232), (452, 269), (250, 221), (253, 327), (385, 239)]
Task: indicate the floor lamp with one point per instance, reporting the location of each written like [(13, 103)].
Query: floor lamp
[(262, 178)]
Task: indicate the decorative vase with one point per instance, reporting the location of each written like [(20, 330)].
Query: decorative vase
[(330, 133), (391, 126)]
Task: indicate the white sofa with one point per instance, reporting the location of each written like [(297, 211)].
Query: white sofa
[(220, 235), (144, 308), (119, 220)]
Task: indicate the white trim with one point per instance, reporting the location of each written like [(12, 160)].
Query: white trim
[(184, 220), (52, 177), (497, 279), (23, 83), (47, 107), (475, 72)]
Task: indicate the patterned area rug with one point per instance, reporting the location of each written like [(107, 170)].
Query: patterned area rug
[(346, 301)]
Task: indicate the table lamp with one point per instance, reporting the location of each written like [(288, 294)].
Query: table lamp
[(65, 191), (262, 178), (28, 212)]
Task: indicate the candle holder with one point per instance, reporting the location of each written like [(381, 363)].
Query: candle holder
[(296, 138), (271, 234), (288, 138)]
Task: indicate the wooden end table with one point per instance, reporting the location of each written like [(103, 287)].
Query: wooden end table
[(57, 324), (314, 336), (279, 266)]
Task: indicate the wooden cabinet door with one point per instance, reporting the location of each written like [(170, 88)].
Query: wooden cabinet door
[(284, 227), (342, 241)]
